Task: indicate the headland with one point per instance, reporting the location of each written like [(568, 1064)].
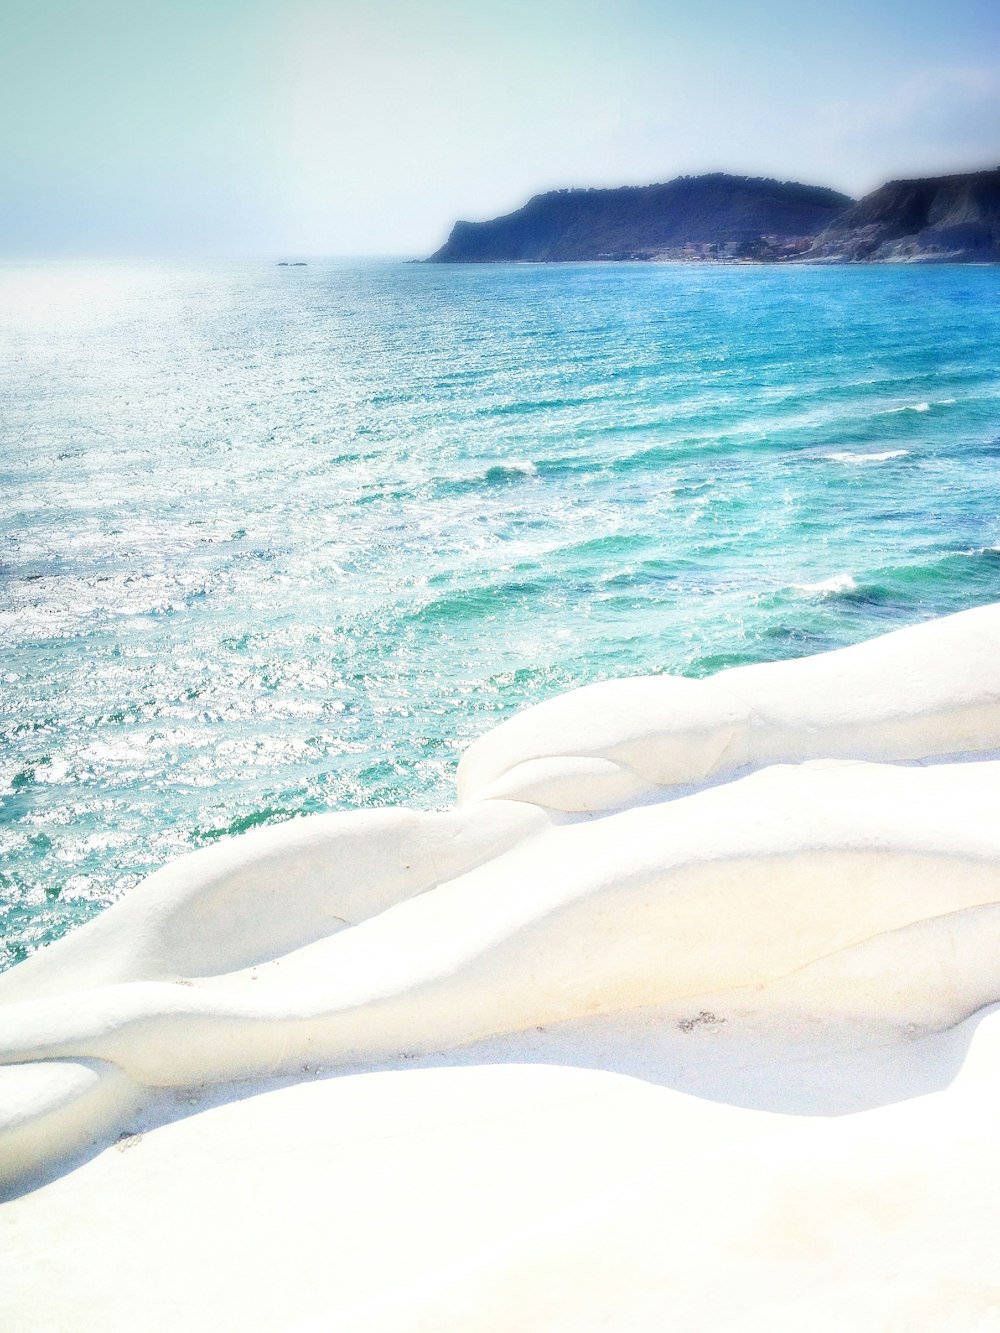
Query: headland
[(720, 218)]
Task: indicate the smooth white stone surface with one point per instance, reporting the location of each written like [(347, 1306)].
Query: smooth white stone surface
[(672, 997), (928, 690)]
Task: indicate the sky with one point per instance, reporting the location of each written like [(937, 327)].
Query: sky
[(342, 127)]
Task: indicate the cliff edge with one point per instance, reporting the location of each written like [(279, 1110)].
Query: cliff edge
[(942, 219)]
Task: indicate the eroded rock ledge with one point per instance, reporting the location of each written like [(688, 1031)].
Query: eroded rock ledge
[(777, 889)]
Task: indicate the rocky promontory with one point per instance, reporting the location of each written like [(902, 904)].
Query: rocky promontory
[(721, 218), (943, 219), (694, 217)]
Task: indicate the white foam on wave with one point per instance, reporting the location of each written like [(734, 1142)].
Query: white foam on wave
[(837, 583), (514, 467), (851, 456)]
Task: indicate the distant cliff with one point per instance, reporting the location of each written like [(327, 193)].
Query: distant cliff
[(935, 219), (694, 217)]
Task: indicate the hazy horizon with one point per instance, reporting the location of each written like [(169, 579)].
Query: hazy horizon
[(293, 128)]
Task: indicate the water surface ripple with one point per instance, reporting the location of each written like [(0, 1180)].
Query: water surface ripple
[(284, 540)]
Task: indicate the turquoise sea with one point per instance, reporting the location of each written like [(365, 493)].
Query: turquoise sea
[(280, 540)]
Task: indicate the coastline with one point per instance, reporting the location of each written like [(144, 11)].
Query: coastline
[(798, 261), (596, 498), (697, 975), (717, 216)]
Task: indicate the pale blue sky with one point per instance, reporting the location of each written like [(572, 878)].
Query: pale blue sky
[(341, 127)]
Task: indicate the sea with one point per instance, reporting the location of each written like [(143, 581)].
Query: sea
[(285, 539)]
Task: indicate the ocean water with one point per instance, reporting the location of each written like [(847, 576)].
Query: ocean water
[(282, 540)]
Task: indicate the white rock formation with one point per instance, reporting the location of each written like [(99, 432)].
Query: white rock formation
[(680, 991), (931, 690)]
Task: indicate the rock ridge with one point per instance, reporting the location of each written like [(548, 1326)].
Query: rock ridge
[(740, 219), (715, 215)]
